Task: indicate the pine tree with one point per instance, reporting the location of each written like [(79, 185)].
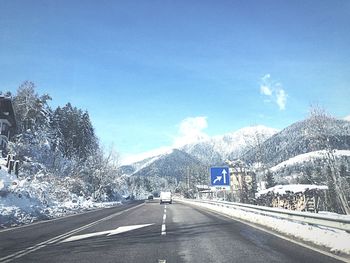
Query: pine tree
[(244, 190), (270, 181), (254, 187)]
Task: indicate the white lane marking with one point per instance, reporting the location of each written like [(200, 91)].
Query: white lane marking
[(40, 245), (163, 230), (161, 261), (112, 232)]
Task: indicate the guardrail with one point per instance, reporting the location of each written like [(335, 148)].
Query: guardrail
[(339, 222)]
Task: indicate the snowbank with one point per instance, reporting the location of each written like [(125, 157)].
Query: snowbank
[(24, 201), (337, 241)]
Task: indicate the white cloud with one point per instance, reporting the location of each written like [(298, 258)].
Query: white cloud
[(133, 158), (281, 99), (265, 90), (274, 90), (191, 130), (347, 118), (266, 77)]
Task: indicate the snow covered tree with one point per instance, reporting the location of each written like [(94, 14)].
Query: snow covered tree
[(74, 132), (33, 121), (32, 111), (261, 156)]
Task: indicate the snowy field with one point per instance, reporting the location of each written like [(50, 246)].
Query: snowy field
[(307, 157), (24, 201)]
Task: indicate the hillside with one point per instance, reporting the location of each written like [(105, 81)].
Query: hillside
[(176, 164), (300, 138)]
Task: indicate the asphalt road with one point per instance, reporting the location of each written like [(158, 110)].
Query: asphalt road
[(149, 232)]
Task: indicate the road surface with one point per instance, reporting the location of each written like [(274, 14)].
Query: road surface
[(149, 232)]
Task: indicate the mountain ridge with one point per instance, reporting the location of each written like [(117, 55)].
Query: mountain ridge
[(212, 151)]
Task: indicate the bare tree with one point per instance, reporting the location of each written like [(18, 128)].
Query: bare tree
[(260, 157), (317, 121)]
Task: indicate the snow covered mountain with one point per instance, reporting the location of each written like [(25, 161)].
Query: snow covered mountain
[(212, 151), (217, 149), (313, 134)]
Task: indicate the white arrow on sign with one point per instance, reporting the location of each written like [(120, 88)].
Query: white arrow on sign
[(218, 178), (112, 232), (224, 175)]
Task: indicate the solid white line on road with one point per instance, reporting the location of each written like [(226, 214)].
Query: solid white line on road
[(60, 237)]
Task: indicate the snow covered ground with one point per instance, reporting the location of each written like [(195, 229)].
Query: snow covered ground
[(24, 201), (307, 157), (335, 240)]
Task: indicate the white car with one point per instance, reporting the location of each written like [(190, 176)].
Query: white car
[(166, 197)]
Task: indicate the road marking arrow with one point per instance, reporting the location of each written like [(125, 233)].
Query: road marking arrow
[(218, 178), (112, 232)]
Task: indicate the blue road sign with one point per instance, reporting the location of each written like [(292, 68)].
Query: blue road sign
[(219, 176)]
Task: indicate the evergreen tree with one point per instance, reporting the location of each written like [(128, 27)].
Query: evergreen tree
[(254, 187), (244, 190), (75, 133), (270, 181)]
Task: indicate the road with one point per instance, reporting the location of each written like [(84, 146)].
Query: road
[(149, 232)]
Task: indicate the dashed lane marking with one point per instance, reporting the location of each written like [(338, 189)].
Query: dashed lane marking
[(163, 230)]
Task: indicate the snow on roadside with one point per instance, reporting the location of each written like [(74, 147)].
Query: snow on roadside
[(337, 241), (24, 201)]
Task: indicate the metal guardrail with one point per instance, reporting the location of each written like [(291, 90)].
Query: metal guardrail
[(341, 222)]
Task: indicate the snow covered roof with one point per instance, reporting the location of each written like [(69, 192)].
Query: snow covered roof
[(291, 188)]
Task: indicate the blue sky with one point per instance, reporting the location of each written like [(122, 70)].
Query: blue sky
[(142, 68)]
